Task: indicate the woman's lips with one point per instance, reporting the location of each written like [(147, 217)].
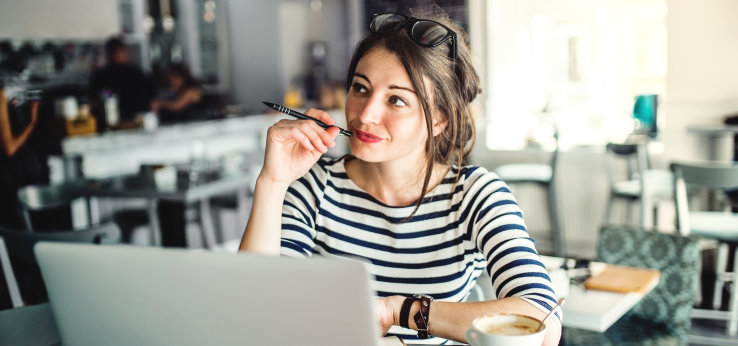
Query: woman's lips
[(366, 137)]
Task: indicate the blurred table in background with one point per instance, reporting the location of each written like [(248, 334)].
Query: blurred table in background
[(170, 192)]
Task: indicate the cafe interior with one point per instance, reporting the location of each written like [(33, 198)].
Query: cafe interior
[(613, 122)]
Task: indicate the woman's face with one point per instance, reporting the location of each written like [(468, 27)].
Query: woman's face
[(175, 80), (384, 112)]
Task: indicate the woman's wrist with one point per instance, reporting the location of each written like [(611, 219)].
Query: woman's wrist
[(269, 184)]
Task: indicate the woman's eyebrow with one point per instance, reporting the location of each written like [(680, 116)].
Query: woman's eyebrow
[(393, 86), (356, 74), (401, 87)]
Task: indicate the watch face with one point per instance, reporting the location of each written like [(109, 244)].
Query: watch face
[(421, 296)]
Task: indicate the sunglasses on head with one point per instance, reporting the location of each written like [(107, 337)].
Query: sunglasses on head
[(427, 33)]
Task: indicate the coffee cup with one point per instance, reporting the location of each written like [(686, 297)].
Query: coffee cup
[(505, 329)]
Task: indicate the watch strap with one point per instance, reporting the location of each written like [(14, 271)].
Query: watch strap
[(405, 312)]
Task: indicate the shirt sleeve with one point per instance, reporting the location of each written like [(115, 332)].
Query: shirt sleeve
[(500, 234), (299, 210)]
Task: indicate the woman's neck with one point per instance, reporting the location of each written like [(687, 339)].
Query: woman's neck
[(393, 183)]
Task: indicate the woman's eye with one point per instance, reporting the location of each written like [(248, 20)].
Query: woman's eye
[(358, 87), (397, 101)]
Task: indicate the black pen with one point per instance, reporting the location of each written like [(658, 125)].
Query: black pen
[(299, 115)]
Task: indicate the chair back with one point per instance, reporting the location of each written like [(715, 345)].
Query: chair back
[(632, 156), (677, 257), (19, 246), (35, 198), (716, 176)]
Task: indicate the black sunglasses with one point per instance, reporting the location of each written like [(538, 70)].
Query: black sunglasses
[(427, 33)]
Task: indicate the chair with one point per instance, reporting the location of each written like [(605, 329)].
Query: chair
[(721, 226), (543, 175), (632, 180), (50, 201), (23, 325), (663, 316), (48, 207), (23, 269), (29, 325)]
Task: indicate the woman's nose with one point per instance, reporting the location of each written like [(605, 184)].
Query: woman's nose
[(372, 111)]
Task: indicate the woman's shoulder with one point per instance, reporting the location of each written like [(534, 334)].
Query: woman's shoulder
[(472, 174)]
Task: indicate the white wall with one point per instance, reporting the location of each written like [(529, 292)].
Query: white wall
[(702, 77), (265, 54), (52, 19)]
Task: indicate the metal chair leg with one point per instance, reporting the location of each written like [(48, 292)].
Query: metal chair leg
[(698, 284), (206, 224), (733, 306), (721, 265), (154, 222)]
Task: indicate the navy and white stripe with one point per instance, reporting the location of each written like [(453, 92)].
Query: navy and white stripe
[(461, 229)]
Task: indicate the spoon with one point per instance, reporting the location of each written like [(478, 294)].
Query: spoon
[(559, 304)]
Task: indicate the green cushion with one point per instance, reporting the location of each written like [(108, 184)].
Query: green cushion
[(627, 331), (668, 306)]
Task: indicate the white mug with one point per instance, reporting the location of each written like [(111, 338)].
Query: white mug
[(505, 329)]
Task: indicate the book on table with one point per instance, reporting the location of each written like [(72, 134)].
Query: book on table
[(622, 279)]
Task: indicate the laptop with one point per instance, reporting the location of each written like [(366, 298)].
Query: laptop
[(124, 295)]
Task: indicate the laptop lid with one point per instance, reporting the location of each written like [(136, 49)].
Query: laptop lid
[(124, 295)]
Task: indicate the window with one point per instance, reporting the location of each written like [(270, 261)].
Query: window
[(574, 64)]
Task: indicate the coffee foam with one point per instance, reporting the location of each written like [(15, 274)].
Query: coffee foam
[(506, 324)]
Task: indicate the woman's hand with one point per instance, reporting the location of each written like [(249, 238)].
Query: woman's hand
[(293, 146), (385, 315)]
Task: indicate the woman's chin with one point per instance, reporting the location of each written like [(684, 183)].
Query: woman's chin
[(366, 155)]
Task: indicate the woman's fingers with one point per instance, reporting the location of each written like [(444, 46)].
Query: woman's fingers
[(320, 138), (328, 134), (320, 115), (306, 132), (309, 139)]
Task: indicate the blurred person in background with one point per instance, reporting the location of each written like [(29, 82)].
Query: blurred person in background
[(183, 100), (126, 80), (22, 161)]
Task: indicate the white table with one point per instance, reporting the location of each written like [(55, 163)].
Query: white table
[(591, 309)]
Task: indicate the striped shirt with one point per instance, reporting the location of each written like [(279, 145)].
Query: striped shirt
[(461, 229)]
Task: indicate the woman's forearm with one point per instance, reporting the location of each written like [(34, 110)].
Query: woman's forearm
[(12, 144), (187, 98), (450, 320), (263, 231)]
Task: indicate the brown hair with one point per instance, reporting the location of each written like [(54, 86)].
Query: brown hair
[(453, 86)]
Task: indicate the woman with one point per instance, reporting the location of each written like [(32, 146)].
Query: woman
[(186, 96), (402, 200), (22, 161)]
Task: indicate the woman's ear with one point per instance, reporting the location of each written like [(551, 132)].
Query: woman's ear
[(439, 124)]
